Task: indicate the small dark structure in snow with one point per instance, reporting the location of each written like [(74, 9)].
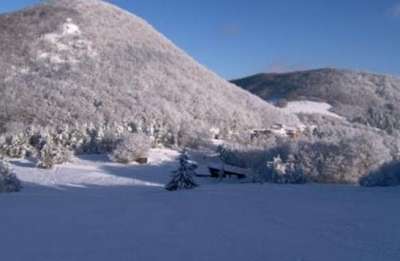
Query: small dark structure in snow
[(278, 130), (293, 133), (223, 171), (183, 177), (142, 160), (259, 133)]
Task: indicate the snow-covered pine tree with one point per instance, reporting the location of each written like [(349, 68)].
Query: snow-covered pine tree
[(8, 180), (183, 177)]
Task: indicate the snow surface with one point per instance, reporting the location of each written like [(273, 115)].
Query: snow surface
[(66, 45), (70, 28), (310, 107), (92, 209)]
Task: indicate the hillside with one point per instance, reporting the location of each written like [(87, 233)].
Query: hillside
[(81, 61), (360, 97)]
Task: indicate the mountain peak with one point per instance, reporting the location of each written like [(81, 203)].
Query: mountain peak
[(84, 61)]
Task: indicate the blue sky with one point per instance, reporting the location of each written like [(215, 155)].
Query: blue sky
[(236, 38)]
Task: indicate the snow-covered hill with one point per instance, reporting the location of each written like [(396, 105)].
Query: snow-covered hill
[(81, 61), (360, 97), (92, 209)]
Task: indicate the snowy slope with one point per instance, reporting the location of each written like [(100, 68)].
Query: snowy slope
[(125, 215), (89, 61), (361, 97), (310, 107), (93, 170)]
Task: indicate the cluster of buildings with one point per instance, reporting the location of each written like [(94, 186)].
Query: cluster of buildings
[(282, 131)]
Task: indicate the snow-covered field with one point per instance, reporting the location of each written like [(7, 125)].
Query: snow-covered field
[(310, 107), (92, 209)]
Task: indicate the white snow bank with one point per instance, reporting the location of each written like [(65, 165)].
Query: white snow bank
[(160, 156), (92, 171), (78, 174), (310, 107)]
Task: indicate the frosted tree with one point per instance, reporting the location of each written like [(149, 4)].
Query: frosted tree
[(8, 180), (183, 177), (50, 154), (133, 147), (286, 171), (14, 146)]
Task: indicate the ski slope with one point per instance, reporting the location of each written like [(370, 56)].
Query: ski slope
[(310, 107), (92, 209)]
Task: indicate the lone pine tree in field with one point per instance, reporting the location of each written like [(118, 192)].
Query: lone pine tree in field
[(183, 176)]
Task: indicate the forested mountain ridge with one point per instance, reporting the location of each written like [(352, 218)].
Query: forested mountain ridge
[(80, 61), (366, 98)]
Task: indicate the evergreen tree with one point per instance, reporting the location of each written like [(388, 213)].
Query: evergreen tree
[(183, 176)]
